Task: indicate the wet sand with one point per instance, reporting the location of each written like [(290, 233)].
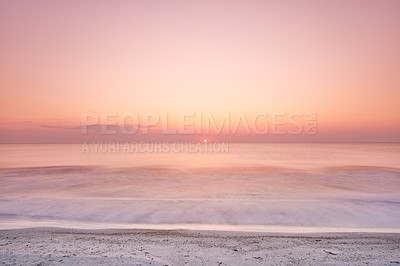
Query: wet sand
[(57, 246)]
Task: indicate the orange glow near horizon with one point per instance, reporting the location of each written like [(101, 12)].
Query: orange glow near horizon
[(62, 59)]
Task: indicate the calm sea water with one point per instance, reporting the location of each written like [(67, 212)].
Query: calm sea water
[(284, 185)]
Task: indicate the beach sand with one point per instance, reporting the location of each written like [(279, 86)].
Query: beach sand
[(56, 246)]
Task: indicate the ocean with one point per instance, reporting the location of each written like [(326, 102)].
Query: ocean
[(250, 186)]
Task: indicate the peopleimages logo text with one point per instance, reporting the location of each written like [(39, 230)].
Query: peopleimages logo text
[(191, 123)]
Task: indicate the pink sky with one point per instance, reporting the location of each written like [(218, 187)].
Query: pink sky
[(340, 59)]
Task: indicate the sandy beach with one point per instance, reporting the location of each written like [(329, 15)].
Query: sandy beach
[(58, 246)]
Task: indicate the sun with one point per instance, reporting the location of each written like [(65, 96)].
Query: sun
[(205, 140)]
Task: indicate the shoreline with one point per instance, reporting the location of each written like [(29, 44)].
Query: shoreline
[(11, 224), (57, 246)]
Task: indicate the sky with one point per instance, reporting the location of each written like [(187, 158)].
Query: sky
[(62, 60)]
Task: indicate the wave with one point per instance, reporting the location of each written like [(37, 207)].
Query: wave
[(274, 185), (57, 169)]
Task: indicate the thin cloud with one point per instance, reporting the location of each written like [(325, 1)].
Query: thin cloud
[(97, 127)]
